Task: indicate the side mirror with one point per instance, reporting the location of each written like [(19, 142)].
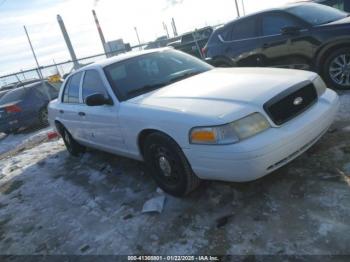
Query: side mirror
[(97, 100), (290, 30)]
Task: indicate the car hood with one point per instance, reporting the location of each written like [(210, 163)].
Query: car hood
[(219, 92)]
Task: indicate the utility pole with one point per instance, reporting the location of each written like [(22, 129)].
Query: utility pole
[(166, 29), (100, 32), (243, 7), (68, 42), (237, 9), (34, 55), (174, 27), (138, 38)]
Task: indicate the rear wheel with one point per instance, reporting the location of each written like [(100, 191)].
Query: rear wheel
[(73, 147), (168, 165), (337, 69), (43, 117)]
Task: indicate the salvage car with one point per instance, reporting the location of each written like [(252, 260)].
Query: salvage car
[(300, 36), (26, 106), (190, 121)]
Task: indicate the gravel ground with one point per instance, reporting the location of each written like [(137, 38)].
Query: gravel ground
[(51, 203)]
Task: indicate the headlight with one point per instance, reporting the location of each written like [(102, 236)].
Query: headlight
[(320, 86), (230, 133)]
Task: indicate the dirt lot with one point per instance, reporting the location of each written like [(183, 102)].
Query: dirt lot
[(51, 203)]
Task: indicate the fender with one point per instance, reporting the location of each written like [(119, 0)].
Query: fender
[(215, 61), (324, 48)]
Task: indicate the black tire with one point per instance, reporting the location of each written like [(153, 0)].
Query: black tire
[(12, 131), (331, 69), (73, 147), (222, 65), (43, 117), (168, 165)]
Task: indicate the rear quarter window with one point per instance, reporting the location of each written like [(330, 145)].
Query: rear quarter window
[(71, 89), (13, 96), (240, 30)]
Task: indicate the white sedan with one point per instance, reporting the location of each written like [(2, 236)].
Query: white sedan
[(189, 121)]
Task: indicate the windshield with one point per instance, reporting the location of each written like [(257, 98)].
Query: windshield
[(317, 14), (145, 73)]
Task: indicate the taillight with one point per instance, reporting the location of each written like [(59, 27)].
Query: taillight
[(13, 109)]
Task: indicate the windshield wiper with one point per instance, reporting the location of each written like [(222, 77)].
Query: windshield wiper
[(146, 89)]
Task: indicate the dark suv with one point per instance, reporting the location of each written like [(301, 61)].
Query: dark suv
[(301, 36)]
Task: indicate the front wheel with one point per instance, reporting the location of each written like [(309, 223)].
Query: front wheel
[(168, 165), (73, 147), (337, 69)]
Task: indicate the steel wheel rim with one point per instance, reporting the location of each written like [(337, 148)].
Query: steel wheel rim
[(339, 70), (166, 166)]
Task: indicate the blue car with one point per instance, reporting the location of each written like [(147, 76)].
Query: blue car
[(26, 106)]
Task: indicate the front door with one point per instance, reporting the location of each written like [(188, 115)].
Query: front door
[(100, 123), (286, 50)]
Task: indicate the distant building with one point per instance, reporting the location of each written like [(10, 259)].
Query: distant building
[(115, 47)]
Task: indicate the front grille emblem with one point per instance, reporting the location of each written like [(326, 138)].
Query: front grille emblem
[(298, 101)]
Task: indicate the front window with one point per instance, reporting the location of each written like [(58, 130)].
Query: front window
[(317, 14), (93, 84), (139, 75), (272, 24)]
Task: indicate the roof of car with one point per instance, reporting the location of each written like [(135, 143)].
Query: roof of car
[(122, 57), (281, 8)]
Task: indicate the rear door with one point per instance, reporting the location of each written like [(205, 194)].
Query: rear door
[(71, 106), (100, 124), (240, 43)]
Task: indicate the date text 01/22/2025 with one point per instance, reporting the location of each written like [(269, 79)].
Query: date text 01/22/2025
[(173, 258)]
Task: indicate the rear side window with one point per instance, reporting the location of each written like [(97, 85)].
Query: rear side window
[(240, 30), (13, 96), (244, 29), (71, 91), (273, 23), (93, 84)]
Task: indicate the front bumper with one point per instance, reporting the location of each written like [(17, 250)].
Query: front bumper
[(255, 157)]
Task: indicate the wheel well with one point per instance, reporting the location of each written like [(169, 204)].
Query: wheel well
[(144, 134), (219, 60), (59, 126), (323, 54)]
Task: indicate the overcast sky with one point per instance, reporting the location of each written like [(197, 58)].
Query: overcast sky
[(117, 19)]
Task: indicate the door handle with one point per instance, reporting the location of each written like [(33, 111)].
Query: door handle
[(81, 114), (266, 45), (61, 111)]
